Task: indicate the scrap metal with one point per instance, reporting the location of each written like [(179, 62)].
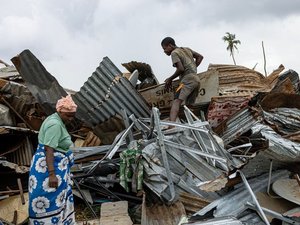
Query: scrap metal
[(280, 149), (234, 203), (105, 93), (237, 124), (43, 86)]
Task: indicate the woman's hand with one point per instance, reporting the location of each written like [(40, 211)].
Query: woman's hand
[(53, 181)]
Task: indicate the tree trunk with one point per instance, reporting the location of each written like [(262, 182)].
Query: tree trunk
[(233, 58)]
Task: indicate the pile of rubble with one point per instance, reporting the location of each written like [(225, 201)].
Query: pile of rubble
[(231, 158)]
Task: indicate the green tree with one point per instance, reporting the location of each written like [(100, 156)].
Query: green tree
[(232, 44)]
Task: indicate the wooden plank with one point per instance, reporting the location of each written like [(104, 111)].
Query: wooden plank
[(114, 208), (10, 205), (160, 97), (21, 191), (115, 220), (115, 213)]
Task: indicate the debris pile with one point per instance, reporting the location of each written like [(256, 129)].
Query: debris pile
[(231, 158)]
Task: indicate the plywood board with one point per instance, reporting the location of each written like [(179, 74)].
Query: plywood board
[(12, 204)]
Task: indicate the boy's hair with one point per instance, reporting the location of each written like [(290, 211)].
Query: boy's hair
[(167, 41)]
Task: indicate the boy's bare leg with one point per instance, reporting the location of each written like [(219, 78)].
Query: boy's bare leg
[(175, 110)]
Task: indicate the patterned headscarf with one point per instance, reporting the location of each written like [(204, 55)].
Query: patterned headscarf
[(66, 104)]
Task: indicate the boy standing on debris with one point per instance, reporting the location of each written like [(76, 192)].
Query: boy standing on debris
[(186, 62)]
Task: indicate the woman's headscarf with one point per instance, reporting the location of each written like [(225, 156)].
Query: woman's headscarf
[(66, 104)]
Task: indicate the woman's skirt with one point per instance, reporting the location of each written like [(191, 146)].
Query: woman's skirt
[(51, 205)]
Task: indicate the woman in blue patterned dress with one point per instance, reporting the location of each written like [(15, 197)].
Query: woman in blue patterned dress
[(50, 192)]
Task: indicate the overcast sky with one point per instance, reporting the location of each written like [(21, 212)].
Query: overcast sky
[(70, 37)]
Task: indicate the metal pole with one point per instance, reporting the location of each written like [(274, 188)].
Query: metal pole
[(84, 198), (262, 214), (163, 152)]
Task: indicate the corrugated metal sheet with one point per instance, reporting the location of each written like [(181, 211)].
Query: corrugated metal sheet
[(221, 108), (17, 144), (280, 148), (293, 76), (24, 154), (19, 97), (250, 218), (237, 125), (286, 120), (105, 93), (233, 204), (43, 86), (231, 76), (238, 80), (227, 220)]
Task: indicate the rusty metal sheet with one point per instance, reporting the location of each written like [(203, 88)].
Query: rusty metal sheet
[(221, 108), (160, 97), (293, 76), (192, 203), (160, 214), (239, 80), (280, 100), (19, 98), (232, 75)]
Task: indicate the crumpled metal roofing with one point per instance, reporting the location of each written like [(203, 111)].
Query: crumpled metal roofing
[(226, 220), (222, 107), (19, 97), (250, 217), (280, 148), (286, 120), (43, 86), (237, 124), (105, 93), (9, 72), (239, 80), (234, 203), (293, 76)]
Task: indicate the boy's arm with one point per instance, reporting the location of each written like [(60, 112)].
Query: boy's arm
[(198, 57)]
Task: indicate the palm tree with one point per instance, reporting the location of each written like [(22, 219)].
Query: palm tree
[(232, 44)]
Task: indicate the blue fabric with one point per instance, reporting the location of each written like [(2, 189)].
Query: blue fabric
[(51, 205)]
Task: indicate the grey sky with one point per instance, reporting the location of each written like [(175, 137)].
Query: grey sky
[(71, 37)]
